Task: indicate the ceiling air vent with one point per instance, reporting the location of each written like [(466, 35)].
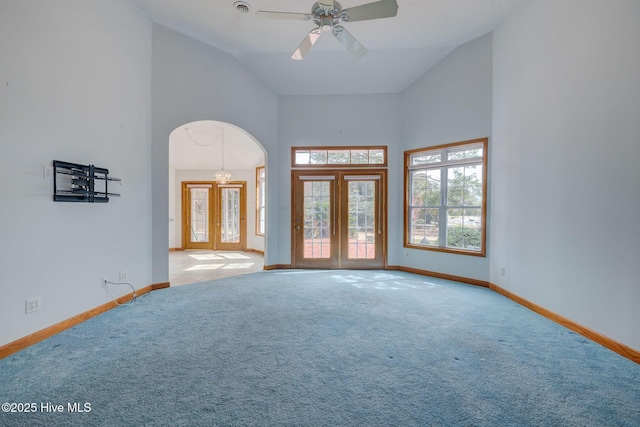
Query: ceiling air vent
[(241, 6)]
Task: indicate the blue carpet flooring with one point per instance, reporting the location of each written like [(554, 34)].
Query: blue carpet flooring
[(321, 348)]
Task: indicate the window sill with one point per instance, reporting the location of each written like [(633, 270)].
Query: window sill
[(481, 253)]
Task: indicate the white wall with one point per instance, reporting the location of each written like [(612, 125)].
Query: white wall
[(450, 103), (339, 120), (75, 80), (193, 81), (566, 181)]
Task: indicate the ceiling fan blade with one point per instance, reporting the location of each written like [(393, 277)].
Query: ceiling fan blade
[(306, 44), (349, 42), (376, 10), (283, 15)]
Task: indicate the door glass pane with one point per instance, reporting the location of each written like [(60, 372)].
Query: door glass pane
[(230, 215), (199, 232), (362, 220), (317, 221)]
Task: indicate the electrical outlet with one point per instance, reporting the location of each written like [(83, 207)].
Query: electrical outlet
[(32, 305), (502, 271), (47, 172), (123, 276)]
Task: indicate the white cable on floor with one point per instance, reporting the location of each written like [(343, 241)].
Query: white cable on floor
[(106, 283)]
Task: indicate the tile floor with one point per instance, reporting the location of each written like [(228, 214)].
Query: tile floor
[(193, 266)]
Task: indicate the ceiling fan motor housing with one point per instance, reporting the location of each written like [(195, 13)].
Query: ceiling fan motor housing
[(326, 16)]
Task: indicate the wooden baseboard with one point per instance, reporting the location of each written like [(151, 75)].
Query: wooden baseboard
[(176, 249), (277, 267), (24, 342), (611, 344), (461, 279), (162, 285)]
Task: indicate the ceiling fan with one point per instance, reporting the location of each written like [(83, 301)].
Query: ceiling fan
[(328, 15)]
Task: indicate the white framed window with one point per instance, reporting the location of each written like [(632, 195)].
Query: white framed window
[(445, 197), (260, 200)]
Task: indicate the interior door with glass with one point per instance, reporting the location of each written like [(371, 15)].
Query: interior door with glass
[(338, 220), (197, 232), (231, 224)]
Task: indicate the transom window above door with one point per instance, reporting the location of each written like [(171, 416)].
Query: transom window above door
[(343, 157)]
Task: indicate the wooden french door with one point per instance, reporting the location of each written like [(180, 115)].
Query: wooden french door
[(231, 223), (339, 219), (214, 216), (197, 208)]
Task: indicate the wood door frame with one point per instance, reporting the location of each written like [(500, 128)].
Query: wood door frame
[(214, 207), (341, 210)]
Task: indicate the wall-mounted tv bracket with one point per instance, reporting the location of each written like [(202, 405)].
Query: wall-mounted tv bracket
[(73, 182)]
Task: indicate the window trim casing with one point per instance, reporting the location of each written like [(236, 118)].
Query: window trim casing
[(407, 196)]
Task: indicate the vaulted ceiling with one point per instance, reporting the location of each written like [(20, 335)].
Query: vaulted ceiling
[(400, 49)]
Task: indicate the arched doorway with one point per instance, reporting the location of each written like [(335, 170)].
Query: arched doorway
[(216, 229)]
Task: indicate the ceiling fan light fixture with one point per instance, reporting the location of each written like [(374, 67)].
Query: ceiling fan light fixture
[(242, 7)]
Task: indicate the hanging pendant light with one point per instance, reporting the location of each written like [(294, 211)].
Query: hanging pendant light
[(222, 176)]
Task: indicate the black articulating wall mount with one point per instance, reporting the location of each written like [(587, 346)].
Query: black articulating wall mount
[(73, 182)]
